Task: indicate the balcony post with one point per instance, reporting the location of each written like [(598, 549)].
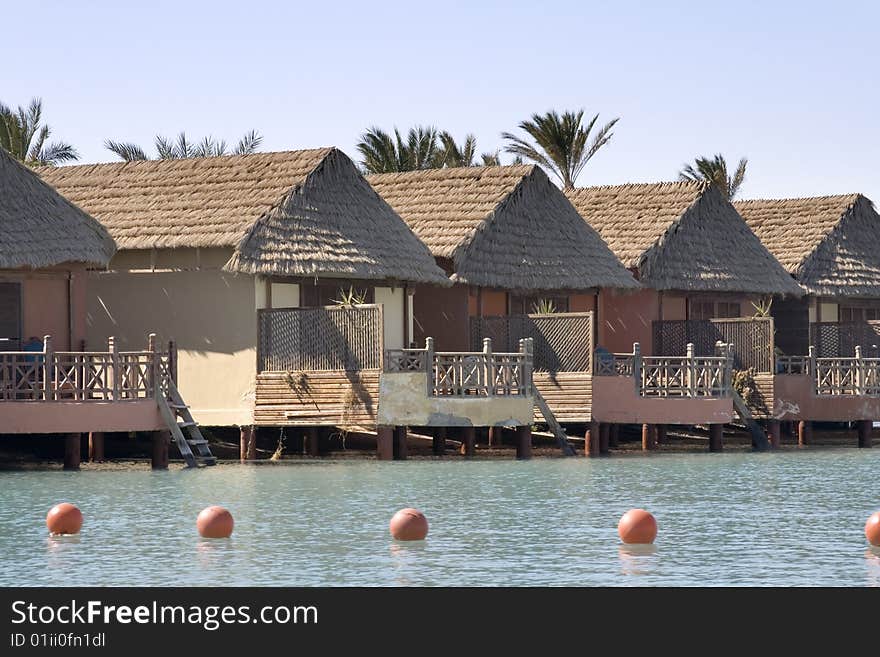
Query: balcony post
[(691, 383), (490, 367), (859, 373), (429, 364), (152, 370), (48, 368), (114, 368), (637, 367), (814, 372)]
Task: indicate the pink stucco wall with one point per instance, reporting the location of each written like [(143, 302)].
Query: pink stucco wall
[(72, 417), (44, 309), (625, 319), (615, 400), (794, 400)]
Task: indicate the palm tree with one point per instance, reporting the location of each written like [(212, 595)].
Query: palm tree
[(26, 139), (714, 172), (383, 153), (559, 143), (167, 149)]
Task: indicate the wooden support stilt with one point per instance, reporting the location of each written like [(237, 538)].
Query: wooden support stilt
[(313, 438), (468, 438), (661, 434), (400, 443), (161, 442), (865, 427), (523, 442), (805, 432), (96, 446), (774, 433), (604, 437), (439, 443), (72, 446), (247, 450), (592, 437), (649, 437), (385, 443), (614, 436), (716, 437), (495, 436)]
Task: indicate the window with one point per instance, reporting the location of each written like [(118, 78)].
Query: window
[(10, 316), (728, 309), (702, 310), (713, 309), (859, 314)]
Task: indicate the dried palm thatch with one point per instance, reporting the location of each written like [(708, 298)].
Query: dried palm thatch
[(291, 213), (831, 244), (503, 226), (682, 236), (41, 228)]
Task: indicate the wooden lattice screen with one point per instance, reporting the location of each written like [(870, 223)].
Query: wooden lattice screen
[(328, 338), (563, 342), (833, 339), (752, 339)]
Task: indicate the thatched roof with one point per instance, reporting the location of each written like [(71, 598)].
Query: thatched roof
[(682, 236), (41, 228), (291, 213), (506, 227), (831, 244)]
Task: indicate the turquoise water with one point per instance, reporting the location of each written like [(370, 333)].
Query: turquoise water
[(787, 518)]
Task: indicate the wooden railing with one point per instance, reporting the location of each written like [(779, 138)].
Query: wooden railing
[(847, 376), (112, 375), (673, 376), (464, 374), (794, 365)]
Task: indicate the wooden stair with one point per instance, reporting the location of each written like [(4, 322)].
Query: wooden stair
[(759, 437), (192, 445), (561, 437)]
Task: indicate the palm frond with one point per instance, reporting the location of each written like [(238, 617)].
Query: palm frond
[(126, 151), (57, 152), (249, 143)]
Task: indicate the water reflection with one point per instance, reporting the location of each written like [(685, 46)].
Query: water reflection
[(637, 559), (872, 561), (405, 558)]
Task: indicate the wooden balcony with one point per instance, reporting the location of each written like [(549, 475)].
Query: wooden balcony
[(687, 389), (48, 391), (421, 387)]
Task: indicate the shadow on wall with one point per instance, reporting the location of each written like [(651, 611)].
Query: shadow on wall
[(202, 311)]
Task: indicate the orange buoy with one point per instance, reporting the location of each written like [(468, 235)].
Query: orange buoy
[(215, 522), (872, 529), (409, 525), (64, 518), (637, 526)]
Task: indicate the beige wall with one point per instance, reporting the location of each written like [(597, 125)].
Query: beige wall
[(44, 310), (285, 295), (392, 315), (209, 313), (404, 400)]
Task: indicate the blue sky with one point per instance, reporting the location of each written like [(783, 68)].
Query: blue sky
[(794, 86)]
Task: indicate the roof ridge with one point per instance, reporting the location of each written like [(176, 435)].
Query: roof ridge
[(790, 199), (633, 185), (182, 160)]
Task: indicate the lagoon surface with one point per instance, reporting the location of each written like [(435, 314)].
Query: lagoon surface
[(789, 518)]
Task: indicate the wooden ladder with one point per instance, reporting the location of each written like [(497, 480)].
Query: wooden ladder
[(759, 438), (174, 409), (561, 437)]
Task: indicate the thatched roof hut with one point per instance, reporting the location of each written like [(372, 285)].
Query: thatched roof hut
[(682, 236), (506, 227), (294, 213), (830, 244), (41, 228)]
